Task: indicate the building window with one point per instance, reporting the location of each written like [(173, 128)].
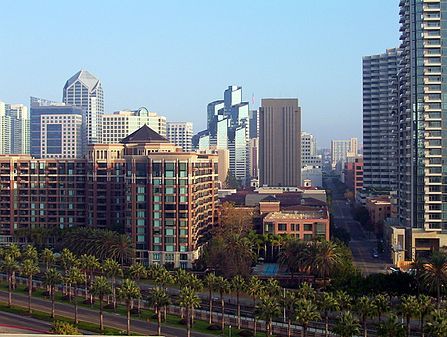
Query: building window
[(282, 227)]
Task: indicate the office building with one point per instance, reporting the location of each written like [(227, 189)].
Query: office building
[(353, 174), (5, 130), (279, 142), (84, 90), (165, 199), (254, 124), (228, 128), (14, 129), (379, 119), (180, 134), (120, 124), (56, 130), (311, 162), (421, 118), (340, 149)]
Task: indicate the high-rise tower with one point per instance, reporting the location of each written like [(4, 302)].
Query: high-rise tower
[(85, 91)]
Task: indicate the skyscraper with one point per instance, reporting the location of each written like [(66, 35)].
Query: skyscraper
[(379, 119), (5, 130), (180, 134), (14, 129), (340, 149), (311, 162), (280, 142), (85, 91), (228, 128)]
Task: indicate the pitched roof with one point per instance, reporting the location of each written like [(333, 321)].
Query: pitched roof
[(270, 198), (85, 77), (144, 135)]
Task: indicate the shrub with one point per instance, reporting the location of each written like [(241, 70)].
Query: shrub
[(214, 327), (246, 333), (64, 328)]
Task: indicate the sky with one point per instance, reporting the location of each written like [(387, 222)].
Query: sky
[(174, 57)]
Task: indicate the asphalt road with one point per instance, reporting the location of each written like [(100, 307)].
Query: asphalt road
[(37, 326), (110, 320), (362, 242)]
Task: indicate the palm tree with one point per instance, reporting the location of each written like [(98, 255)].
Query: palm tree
[(9, 266), (382, 303), (68, 260), (306, 292), (391, 328), (112, 269), (409, 306), (327, 302), (344, 300), (291, 256), (254, 289), (223, 287), (48, 258), (88, 263), (189, 300), (437, 327), (324, 258), (425, 308), (267, 310), (29, 269), (101, 287), (238, 285), (137, 272), (289, 303), (365, 308), (210, 282), (158, 298), (346, 325), (51, 279), (435, 273), (418, 266), (75, 278), (306, 311), (273, 288), (30, 253), (14, 251), (128, 291)]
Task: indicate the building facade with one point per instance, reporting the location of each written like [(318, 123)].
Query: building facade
[(380, 119), (421, 118), (14, 129), (340, 150), (57, 130), (279, 142), (84, 90), (120, 124), (311, 162), (165, 199), (180, 134)]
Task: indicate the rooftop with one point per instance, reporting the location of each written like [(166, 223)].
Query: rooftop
[(144, 135)]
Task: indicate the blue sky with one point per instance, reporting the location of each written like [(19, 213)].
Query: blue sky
[(174, 57)]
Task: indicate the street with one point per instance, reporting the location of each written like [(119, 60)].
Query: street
[(362, 242)]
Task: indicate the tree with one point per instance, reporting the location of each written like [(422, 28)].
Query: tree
[(89, 264), (346, 325), (158, 298), (327, 302), (75, 278), (289, 303), (344, 300), (9, 266), (292, 257), (323, 258), (267, 310), (254, 289), (306, 311), (13, 251), (231, 181), (128, 291), (382, 304), (306, 292), (68, 260), (223, 287), (437, 327), (29, 269), (238, 285), (30, 253), (365, 308), (48, 258), (425, 308), (136, 272), (210, 283), (189, 301), (64, 328), (101, 287), (51, 279), (435, 273), (112, 270), (391, 328), (409, 306)]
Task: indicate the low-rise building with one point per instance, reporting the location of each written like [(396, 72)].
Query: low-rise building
[(379, 209)]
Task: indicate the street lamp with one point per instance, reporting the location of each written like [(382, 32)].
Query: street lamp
[(229, 331)]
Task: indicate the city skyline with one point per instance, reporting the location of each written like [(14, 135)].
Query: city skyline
[(153, 78)]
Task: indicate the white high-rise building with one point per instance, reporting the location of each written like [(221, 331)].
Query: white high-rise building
[(311, 162), (5, 130), (85, 91), (180, 133), (120, 124), (20, 128), (340, 150)]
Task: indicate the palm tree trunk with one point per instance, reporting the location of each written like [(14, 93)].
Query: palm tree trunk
[(408, 326), (222, 303), (326, 324), (9, 290), (438, 295), (188, 323), (238, 304), (365, 331), (128, 318), (254, 315), (85, 286), (303, 334), (52, 302), (211, 307), (159, 322), (422, 326), (30, 290), (289, 328), (101, 316)]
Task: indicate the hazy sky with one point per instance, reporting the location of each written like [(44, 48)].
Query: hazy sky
[(174, 57)]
